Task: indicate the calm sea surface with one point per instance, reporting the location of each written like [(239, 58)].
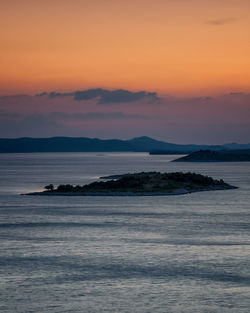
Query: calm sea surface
[(187, 253)]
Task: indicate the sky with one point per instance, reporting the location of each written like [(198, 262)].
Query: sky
[(174, 70)]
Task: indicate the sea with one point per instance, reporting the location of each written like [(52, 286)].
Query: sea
[(182, 253)]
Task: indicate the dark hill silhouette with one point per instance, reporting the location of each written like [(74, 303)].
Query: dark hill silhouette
[(216, 156), (84, 144)]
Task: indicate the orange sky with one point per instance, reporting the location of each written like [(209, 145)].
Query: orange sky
[(169, 46)]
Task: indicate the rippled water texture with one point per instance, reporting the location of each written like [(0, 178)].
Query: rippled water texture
[(186, 253)]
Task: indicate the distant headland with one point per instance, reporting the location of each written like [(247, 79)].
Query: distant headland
[(140, 184), (216, 156)]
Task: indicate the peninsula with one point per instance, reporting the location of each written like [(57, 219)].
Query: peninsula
[(216, 156), (140, 184)]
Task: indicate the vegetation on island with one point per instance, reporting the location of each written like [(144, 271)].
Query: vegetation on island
[(143, 183)]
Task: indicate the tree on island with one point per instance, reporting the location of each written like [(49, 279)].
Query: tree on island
[(49, 187)]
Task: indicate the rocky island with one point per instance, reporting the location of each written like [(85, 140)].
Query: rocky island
[(140, 184), (216, 156)]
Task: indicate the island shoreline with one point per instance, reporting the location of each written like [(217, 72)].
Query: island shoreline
[(121, 193)]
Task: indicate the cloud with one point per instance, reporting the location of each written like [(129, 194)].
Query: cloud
[(222, 21), (105, 96), (114, 96), (41, 94), (91, 94), (238, 93), (198, 99), (54, 94)]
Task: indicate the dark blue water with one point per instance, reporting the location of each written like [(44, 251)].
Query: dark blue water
[(186, 253)]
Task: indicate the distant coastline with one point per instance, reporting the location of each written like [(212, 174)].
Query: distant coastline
[(84, 144)]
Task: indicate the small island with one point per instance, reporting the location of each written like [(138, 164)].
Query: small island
[(216, 156), (140, 184)]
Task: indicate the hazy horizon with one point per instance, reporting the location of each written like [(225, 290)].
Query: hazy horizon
[(103, 112)]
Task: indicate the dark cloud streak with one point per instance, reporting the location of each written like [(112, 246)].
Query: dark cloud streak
[(105, 96), (220, 22)]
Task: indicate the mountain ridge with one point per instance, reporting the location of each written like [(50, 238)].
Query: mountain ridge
[(85, 144)]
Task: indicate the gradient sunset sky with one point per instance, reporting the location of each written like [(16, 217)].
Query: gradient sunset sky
[(190, 57)]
